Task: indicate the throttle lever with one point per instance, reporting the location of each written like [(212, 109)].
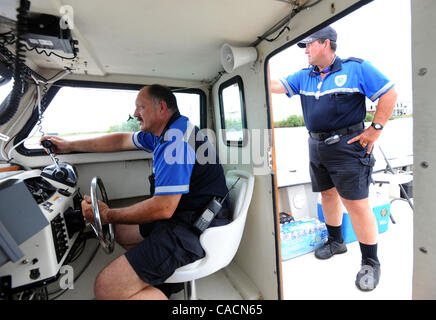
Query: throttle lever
[(49, 146)]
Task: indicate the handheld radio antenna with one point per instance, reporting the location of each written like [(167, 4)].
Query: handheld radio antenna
[(227, 194)]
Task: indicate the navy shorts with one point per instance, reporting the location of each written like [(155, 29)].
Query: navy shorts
[(166, 246), (345, 166)]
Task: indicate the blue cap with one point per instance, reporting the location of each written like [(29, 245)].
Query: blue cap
[(325, 33)]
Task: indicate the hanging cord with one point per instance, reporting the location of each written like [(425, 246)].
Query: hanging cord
[(48, 54), (38, 126), (5, 143), (17, 90), (282, 24), (81, 271)]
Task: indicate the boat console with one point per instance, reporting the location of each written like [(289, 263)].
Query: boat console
[(40, 220)]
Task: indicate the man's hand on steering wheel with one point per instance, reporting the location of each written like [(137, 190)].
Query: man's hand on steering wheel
[(87, 210)]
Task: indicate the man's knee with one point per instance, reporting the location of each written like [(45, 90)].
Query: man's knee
[(102, 286), (330, 195), (360, 207), (119, 238), (118, 280), (127, 236)]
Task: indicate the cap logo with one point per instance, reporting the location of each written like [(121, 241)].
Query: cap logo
[(340, 80)]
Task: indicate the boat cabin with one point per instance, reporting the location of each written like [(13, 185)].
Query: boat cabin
[(73, 69)]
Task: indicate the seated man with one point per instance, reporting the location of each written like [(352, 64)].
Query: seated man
[(183, 185)]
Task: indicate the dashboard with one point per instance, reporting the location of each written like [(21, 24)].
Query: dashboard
[(40, 220)]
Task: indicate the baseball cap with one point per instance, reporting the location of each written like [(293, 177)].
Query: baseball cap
[(325, 33)]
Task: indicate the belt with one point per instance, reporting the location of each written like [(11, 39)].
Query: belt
[(343, 131)]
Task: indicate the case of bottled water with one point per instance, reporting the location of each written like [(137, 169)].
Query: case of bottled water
[(301, 236)]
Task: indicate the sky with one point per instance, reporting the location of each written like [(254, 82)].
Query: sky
[(379, 32)]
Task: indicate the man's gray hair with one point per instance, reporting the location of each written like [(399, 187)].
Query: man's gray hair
[(160, 93), (333, 44)]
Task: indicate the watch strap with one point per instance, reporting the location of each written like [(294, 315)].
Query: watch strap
[(377, 126)]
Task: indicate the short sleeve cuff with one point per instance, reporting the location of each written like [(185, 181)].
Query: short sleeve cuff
[(171, 190), (289, 92), (137, 143), (382, 91)]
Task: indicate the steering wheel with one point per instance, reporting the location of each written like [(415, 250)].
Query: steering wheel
[(104, 233)]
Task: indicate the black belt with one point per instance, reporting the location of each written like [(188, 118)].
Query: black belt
[(343, 131)]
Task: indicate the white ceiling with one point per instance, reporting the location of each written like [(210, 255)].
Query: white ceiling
[(178, 39)]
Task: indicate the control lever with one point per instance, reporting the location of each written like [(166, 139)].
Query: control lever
[(59, 173)]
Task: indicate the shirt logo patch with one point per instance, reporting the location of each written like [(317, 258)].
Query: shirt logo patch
[(340, 80)]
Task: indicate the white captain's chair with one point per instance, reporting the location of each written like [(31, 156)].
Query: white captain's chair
[(219, 243)]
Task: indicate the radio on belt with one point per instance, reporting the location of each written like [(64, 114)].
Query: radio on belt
[(212, 209), (333, 139)]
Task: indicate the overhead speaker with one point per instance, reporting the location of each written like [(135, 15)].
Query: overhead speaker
[(233, 57)]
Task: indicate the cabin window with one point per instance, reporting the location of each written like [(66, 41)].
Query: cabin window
[(77, 112), (190, 105), (232, 109)]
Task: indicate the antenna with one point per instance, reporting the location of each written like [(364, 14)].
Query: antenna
[(222, 200)]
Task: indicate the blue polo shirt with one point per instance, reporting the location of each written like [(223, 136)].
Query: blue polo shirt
[(338, 100), (184, 162)]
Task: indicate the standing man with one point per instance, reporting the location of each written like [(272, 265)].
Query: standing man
[(158, 233), (332, 93)]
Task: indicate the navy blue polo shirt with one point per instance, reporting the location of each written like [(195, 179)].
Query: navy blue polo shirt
[(338, 100), (184, 162)]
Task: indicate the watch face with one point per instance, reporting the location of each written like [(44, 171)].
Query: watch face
[(377, 126)]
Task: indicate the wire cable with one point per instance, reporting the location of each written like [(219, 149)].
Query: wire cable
[(48, 54), (38, 126), (17, 91), (282, 24), (81, 271)]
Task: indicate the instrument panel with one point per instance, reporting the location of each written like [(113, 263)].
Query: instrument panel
[(41, 219)]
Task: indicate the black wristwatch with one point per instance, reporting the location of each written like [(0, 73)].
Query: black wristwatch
[(376, 126)]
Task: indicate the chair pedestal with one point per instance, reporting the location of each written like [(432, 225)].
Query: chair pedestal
[(190, 292)]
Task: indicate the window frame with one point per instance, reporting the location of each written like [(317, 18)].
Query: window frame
[(235, 80), (54, 89)]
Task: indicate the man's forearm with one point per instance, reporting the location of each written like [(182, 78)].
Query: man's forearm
[(155, 208), (384, 111), (385, 107), (108, 143), (277, 87)]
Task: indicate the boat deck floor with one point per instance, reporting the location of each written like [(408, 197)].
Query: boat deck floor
[(306, 277)]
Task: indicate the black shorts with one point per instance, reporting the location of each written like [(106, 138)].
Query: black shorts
[(345, 166), (166, 247)]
